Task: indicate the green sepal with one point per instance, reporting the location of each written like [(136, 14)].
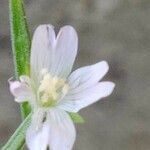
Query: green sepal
[(17, 140), (76, 118), (21, 42)]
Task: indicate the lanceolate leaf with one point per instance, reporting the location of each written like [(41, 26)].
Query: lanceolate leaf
[(17, 140), (20, 42)]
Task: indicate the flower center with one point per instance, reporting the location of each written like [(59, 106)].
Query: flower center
[(51, 89)]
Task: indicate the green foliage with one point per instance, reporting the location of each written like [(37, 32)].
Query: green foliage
[(76, 118), (25, 109), (17, 140), (20, 43), (21, 52)]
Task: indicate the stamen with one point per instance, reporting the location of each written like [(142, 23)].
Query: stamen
[(51, 89)]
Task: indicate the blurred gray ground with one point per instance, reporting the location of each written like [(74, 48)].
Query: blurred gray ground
[(114, 30)]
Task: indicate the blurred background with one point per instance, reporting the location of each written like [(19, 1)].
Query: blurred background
[(114, 30)]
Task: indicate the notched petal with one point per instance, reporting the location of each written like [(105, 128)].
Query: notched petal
[(62, 131), (42, 49), (87, 76), (65, 51), (75, 102)]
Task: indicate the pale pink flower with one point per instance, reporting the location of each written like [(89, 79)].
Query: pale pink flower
[(53, 91)]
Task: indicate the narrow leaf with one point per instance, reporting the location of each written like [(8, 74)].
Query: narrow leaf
[(20, 42), (76, 118), (17, 140)]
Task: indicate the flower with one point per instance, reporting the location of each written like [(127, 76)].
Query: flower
[(53, 91)]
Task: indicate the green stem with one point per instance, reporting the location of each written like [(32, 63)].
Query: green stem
[(21, 42), (17, 140)]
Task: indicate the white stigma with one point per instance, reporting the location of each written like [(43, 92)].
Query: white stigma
[(51, 89)]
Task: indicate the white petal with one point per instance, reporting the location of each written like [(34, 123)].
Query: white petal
[(62, 131), (75, 102), (30, 83), (42, 49), (65, 51), (38, 117), (37, 139), (87, 76), (20, 91)]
